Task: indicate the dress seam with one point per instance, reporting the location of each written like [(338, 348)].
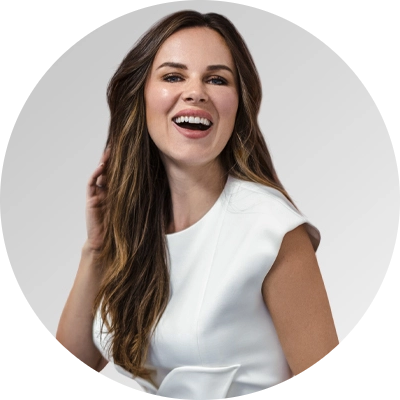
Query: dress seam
[(278, 200), (209, 272)]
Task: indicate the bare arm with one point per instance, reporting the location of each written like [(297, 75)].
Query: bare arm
[(296, 298), (75, 327), (76, 323)]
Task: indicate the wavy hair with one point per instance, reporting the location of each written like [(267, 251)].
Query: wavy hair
[(135, 290)]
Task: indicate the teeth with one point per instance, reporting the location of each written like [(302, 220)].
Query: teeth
[(193, 120)]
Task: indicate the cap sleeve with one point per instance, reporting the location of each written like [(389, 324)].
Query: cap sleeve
[(314, 234), (289, 218), (273, 211)]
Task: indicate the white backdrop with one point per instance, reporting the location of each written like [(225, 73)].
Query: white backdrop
[(328, 139)]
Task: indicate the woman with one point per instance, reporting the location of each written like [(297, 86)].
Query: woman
[(198, 277)]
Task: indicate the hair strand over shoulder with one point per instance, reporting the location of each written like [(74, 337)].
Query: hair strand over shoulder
[(135, 287)]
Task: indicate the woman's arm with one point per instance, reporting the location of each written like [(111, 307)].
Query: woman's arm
[(75, 327), (296, 298), (76, 323)]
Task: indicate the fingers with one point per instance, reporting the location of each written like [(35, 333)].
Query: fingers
[(97, 180), (101, 180), (92, 184), (106, 155)]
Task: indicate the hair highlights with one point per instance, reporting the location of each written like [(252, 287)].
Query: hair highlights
[(135, 287)]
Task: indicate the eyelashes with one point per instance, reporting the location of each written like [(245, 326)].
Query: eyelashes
[(218, 80), (172, 78), (214, 80)]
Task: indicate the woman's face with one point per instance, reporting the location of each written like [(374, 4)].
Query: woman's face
[(191, 97)]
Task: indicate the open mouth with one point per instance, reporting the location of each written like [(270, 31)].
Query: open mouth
[(193, 123)]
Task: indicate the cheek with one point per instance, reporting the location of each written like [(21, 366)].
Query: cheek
[(228, 107), (158, 101)]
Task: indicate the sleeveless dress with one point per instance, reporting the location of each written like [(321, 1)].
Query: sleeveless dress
[(216, 338)]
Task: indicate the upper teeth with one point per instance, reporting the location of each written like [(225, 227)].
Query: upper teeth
[(192, 120)]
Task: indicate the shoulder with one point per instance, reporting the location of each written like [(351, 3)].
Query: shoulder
[(267, 205), (256, 197)]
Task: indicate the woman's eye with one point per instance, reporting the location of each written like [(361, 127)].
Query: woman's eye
[(217, 80), (172, 78)]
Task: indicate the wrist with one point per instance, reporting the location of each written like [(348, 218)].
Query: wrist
[(89, 250)]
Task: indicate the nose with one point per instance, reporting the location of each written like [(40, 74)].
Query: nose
[(195, 92)]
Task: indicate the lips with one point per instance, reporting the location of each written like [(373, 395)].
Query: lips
[(193, 113), (193, 124)]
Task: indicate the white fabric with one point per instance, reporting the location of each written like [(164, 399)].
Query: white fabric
[(216, 338)]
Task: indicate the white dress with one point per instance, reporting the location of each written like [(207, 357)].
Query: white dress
[(216, 338)]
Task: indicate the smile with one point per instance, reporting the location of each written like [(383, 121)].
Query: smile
[(191, 122)]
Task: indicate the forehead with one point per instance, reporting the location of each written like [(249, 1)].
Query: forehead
[(195, 45)]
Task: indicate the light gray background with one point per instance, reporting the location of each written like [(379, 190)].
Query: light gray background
[(328, 141)]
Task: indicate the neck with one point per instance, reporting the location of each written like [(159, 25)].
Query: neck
[(194, 190)]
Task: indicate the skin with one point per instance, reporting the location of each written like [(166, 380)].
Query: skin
[(295, 296), (293, 290), (181, 79), (74, 330)]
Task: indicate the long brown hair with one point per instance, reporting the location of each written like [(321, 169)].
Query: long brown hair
[(135, 288)]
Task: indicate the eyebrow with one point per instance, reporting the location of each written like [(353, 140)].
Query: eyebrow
[(183, 66)]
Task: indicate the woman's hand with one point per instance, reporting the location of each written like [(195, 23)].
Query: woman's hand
[(95, 207), (75, 329)]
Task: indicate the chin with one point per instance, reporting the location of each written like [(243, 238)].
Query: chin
[(190, 160)]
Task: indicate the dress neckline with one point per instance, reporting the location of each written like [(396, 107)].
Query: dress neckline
[(202, 220)]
